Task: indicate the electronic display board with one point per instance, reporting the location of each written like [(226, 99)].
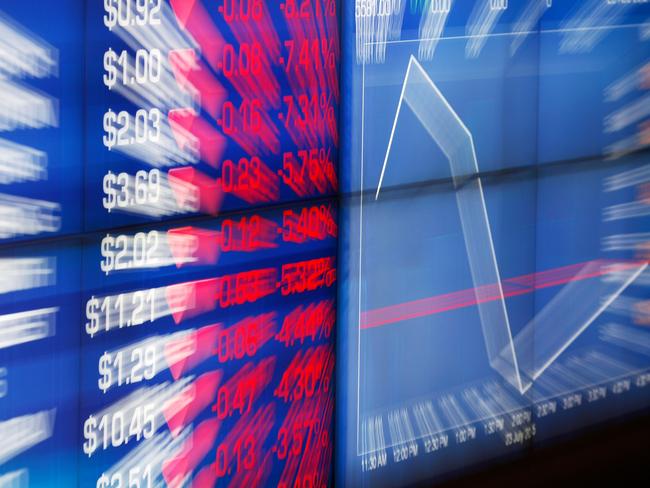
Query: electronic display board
[(170, 168), (205, 282), (493, 252)]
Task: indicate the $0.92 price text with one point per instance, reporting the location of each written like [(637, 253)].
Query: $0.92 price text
[(130, 13)]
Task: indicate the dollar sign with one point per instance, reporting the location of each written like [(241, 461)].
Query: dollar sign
[(110, 136), (110, 200), (90, 436), (92, 314), (105, 372), (103, 481), (110, 77), (110, 18), (108, 263)]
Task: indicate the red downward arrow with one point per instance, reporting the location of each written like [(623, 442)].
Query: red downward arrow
[(191, 130), (192, 16), (181, 410), (191, 349), (193, 246), (187, 300), (195, 448), (207, 478), (190, 185), (193, 76)]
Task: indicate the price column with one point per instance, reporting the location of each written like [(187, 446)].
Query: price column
[(143, 163), (207, 344)]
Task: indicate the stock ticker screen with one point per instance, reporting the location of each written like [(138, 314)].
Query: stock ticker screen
[(307, 243), (169, 242)]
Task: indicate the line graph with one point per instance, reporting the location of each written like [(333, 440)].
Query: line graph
[(496, 293), (564, 318)]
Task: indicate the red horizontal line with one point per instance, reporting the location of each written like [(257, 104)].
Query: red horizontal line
[(511, 287)]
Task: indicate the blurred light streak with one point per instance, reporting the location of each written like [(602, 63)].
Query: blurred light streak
[(636, 79), (618, 242), (589, 25), (26, 273), (194, 134), (484, 16), (20, 163), (431, 27), (527, 22), (22, 327), (166, 36), (21, 216), (193, 246), (195, 20), (644, 31), (153, 452), (181, 410), (15, 479), (26, 108), (191, 349), (23, 54), (21, 433)]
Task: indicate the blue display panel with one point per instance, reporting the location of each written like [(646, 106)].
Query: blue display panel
[(173, 266), (171, 170), (42, 106), (39, 341), (493, 257)]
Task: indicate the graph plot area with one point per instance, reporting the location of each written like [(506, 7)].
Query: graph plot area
[(523, 358), (496, 282), (466, 342)]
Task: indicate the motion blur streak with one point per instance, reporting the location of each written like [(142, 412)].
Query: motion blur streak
[(21, 433), (481, 23), (23, 53), (24, 56)]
